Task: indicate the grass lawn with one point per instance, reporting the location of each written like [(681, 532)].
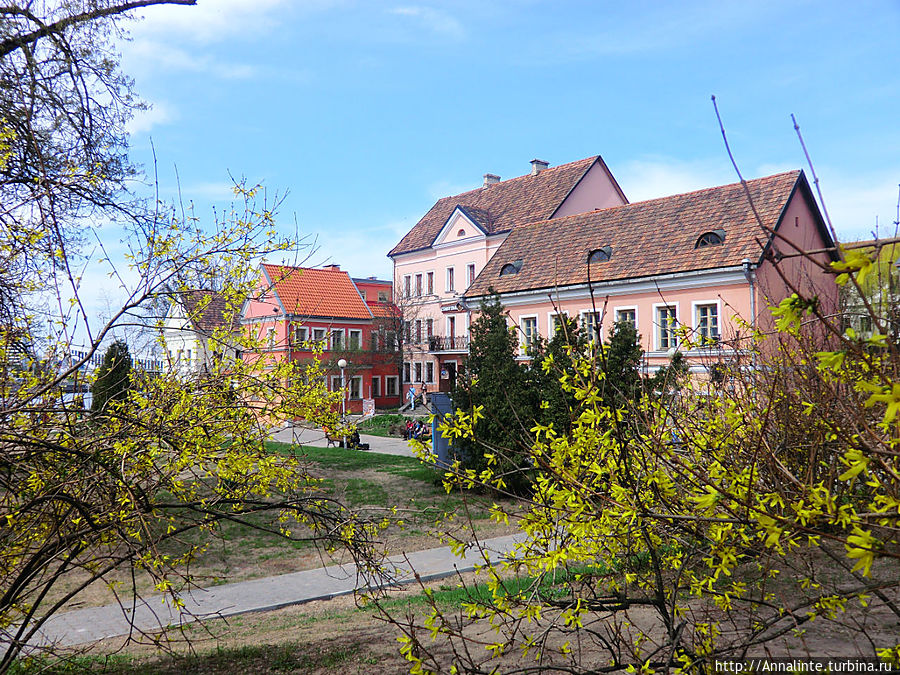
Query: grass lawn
[(380, 425), (369, 483)]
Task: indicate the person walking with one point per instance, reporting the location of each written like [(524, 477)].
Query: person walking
[(411, 395)]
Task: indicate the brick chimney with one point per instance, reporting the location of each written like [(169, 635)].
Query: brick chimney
[(334, 267), (538, 165), (491, 179)]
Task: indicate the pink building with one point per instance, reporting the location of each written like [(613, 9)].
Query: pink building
[(438, 261), (687, 263), (566, 240), (297, 307)]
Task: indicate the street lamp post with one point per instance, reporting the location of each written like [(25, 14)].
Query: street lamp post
[(343, 364)]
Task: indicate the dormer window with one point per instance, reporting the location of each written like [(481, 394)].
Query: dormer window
[(461, 233), (713, 238), (511, 268), (600, 254)]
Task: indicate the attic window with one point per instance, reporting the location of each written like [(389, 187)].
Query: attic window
[(461, 233), (511, 268), (714, 238), (600, 254)]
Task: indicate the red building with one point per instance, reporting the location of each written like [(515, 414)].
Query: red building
[(297, 308)]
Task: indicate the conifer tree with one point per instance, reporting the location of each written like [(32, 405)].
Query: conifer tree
[(113, 377)]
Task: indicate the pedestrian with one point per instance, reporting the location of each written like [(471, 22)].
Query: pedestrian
[(411, 395), (425, 395)]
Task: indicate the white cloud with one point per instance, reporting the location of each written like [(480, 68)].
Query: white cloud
[(212, 20), (662, 176), (857, 203), (434, 20), (150, 56), (145, 120)]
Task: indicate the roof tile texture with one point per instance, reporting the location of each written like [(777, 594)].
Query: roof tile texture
[(501, 206), (312, 292), (208, 315), (647, 238)]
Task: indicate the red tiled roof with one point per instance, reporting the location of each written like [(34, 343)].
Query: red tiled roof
[(647, 238), (309, 291), (207, 315), (501, 206)]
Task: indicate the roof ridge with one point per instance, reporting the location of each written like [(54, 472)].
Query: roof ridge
[(538, 223), (558, 167)]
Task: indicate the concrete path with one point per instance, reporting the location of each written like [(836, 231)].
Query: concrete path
[(155, 612), (316, 438)]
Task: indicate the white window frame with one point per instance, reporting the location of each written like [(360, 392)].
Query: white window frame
[(429, 372), (657, 326), (331, 334), (451, 280), (320, 336), (418, 332), (407, 372), (695, 307), (391, 385), (376, 386), (429, 328), (336, 383), (429, 282), (551, 327), (418, 285), (470, 273), (350, 334), (583, 323), (356, 380), (301, 334), (417, 371), (407, 285), (452, 319), (526, 341), (625, 308)]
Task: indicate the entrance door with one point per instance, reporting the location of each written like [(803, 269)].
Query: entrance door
[(448, 376)]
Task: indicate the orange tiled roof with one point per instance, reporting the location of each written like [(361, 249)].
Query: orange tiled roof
[(309, 291), (502, 206), (646, 238)]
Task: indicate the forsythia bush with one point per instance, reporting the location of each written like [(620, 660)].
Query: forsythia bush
[(761, 517)]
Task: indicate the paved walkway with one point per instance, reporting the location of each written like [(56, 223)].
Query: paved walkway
[(316, 438), (87, 625)]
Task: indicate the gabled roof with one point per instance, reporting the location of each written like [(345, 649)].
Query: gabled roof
[(206, 310), (312, 292), (501, 206), (645, 238)]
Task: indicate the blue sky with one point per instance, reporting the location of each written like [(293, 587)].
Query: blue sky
[(367, 112)]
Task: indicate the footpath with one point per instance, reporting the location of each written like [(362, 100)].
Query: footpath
[(259, 595), (156, 612)]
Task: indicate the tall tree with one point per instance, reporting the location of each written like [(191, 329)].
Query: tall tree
[(113, 377), (495, 389)]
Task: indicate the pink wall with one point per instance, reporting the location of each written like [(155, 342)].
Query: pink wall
[(596, 190), (798, 231)]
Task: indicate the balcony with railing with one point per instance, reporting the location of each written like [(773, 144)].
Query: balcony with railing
[(440, 343)]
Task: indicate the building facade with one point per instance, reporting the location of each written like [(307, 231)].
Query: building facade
[(438, 261), (189, 341), (692, 272), (296, 312)]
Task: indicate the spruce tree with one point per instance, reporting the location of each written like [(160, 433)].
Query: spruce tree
[(113, 377), (495, 380)]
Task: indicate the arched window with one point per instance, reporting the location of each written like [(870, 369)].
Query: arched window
[(461, 233), (600, 254), (511, 268), (713, 238)]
